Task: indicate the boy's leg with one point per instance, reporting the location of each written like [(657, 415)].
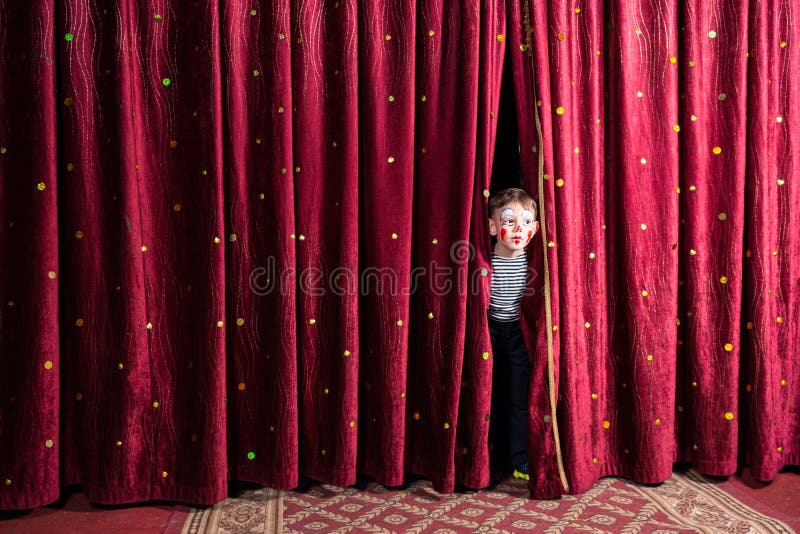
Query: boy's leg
[(498, 420), (519, 369)]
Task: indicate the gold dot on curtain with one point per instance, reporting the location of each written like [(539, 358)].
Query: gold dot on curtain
[(500, 37), (149, 326), (783, 382), (774, 252), (423, 98), (118, 443), (220, 324), (594, 396), (403, 395), (486, 193), (560, 36), (592, 255), (232, 238), (691, 63), (430, 315), (70, 167), (176, 207), (639, 94), (728, 347), (8, 482), (485, 356), (595, 461), (587, 324), (680, 408), (695, 447), (435, 241), (676, 128), (692, 188), (416, 416), (555, 328), (242, 386), (155, 404), (78, 396), (729, 416), (643, 226), (717, 150), (253, 12), (391, 98), (658, 421), (240, 321), (779, 320), (673, 59), (120, 366), (748, 388), (431, 33), (280, 109), (256, 73), (551, 244), (637, 31), (643, 161), (158, 17), (677, 322), (712, 34), (780, 450), (400, 322), (723, 279), (692, 252), (217, 240), (779, 119), (645, 293), (312, 321), (293, 236), (352, 424), (51, 275), (346, 353), (694, 383), (722, 97), (560, 182), (606, 424), (388, 37), (577, 10), (390, 159), (446, 426), (164, 474), (281, 36), (749, 325), (781, 181), (722, 216), (326, 391), (79, 322), (41, 186), (48, 365), (394, 235), (68, 101), (560, 110), (649, 357), (144, 248), (49, 443)]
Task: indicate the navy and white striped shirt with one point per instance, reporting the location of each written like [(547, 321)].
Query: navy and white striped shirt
[(508, 285)]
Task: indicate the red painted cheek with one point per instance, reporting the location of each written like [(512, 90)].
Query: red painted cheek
[(503, 234), (530, 235)]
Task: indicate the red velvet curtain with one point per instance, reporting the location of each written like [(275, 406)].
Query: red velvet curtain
[(189, 193), (672, 244)]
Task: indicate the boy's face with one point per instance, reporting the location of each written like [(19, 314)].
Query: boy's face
[(514, 225)]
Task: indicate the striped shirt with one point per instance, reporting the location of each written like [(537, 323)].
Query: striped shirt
[(508, 285)]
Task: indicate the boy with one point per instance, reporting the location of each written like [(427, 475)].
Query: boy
[(512, 220)]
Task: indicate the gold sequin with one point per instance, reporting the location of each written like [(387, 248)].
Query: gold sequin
[(749, 325), (779, 320), (48, 365), (176, 207), (658, 421), (723, 279), (781, 181), (220, 324), (748, 388), (728, 347), (722, 216), (312, 321), (649, 357), (394, 235), (676, 128), (592, 255), (390, 159), (639, 94), (595, 461), (326, 391), (164, 474), (144, 248), (780, 450), (430, 315), (485, 355), (346, 353), (239, 321), (692, 252), (712, 34), (155, 404), (729, 416), (41, 186), (118, 443), (79, 322), (594, 396), (416, 416), (645, 293), (48, 443), (716, 150), (606, 424), (120, 366), (400, 322), (8, 482), (559, 110), (643, 161), (783, 382), (435, 241), (431, 33), (217, 240), (149, 326), (388, 37), (446, 426), (560, 36), (587, 324), (643, 226)]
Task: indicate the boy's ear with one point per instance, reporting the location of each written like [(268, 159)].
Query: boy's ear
[(492, 228)]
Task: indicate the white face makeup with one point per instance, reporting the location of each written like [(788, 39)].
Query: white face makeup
[(514, 228)]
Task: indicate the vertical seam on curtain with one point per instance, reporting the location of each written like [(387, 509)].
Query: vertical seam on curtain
[(547, 303), (134, 129)]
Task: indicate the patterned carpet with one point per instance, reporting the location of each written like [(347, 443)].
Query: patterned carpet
[(684, 503)]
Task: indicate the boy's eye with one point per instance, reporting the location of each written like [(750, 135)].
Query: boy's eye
[(527, 222)]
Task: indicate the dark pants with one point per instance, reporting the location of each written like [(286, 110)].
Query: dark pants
[(510, 383)]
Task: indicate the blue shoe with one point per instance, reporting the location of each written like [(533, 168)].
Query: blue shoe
[(521, 471)]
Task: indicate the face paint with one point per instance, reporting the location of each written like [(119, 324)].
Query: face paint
[(515, 228)]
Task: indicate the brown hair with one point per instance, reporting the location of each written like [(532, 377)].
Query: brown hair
[(507, 196)]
